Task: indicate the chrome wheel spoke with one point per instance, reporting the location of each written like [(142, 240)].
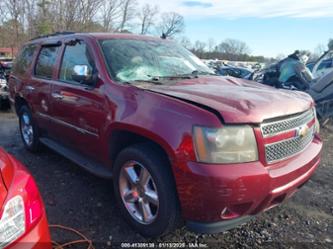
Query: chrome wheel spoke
[(144, 177), (145, 211), (26, 119), (131, 175), (151, 197)]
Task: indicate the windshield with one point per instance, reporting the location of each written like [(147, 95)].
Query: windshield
[(144, 60)]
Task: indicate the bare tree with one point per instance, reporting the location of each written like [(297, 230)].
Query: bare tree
[(330, 44), (15, 20), (146, 17), (185, 42), (233, 47), (171, 24), (320, 50), (111, 13), (211, 45), (31, 10), (87, 12), (199, 46), (128, 13)]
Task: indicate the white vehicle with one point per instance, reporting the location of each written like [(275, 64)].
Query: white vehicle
[(324, 65)]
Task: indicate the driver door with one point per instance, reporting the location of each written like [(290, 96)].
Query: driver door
[(77, 108)]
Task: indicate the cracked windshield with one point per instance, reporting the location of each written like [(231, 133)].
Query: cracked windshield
[(137, 60)]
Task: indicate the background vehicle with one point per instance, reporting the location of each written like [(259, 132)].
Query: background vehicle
[(23, 222), (5, 67), (180, 142), (292, 74), (324, 65), (237, 72), (4, 94), (310, 65)]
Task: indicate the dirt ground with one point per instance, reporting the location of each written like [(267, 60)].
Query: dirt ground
[(82, 201)]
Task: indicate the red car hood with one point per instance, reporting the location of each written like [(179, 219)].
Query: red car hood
[(237, 100)]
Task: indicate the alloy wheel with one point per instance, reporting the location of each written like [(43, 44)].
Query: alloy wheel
[(138, 192), (27, 129)]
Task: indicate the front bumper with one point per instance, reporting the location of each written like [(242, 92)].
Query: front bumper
[(221, 193), (216, 227)]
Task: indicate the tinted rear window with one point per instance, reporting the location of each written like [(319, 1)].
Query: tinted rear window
[(24, 59), (46, 61)]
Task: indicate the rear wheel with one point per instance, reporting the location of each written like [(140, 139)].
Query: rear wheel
[(145, 190), (28, 130)]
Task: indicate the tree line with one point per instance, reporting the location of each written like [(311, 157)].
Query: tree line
[(21, 20)]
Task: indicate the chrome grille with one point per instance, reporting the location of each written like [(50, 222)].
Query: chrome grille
[(288, 147), (290, 123)]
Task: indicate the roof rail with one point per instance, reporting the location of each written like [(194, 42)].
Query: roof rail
[(53, 34)]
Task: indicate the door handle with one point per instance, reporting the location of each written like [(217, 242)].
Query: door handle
[(30, 88), (57, 96)]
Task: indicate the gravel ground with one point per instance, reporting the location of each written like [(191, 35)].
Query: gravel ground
[(82, 201)]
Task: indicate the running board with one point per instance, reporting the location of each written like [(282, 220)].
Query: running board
[(86, 163)]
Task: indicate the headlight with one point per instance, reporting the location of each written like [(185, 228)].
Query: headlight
[(230, 144), (12, 223)]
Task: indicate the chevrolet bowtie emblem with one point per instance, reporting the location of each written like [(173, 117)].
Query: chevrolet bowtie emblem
[(302, 131)]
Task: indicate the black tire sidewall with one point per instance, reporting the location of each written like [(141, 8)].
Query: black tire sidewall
[(168, 213)]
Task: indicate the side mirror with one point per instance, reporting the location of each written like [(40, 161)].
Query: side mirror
[(83, 74)]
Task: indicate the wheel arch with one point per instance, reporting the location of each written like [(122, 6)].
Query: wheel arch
[(19, 102), (125, 136)]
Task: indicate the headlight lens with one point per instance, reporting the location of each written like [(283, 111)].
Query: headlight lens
[(230, 144), (12, 223)]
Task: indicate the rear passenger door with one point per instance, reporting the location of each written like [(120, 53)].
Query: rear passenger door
[(38, 84), (77, 108)]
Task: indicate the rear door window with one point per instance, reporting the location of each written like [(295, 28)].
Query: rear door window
[(46, 61), (24, 59)]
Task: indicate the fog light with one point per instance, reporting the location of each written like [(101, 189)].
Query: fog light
[(12, 223)]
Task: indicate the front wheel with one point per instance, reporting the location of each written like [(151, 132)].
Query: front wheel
[(145, 190)]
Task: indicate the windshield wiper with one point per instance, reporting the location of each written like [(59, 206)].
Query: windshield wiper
[(197, 72), (153, 81), (194, 74)]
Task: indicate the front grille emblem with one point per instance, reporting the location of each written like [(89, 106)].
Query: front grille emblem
[(302, 131)]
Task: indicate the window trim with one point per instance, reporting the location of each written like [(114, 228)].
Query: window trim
[(55, 62)]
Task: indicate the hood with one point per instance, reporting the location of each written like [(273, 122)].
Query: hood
[(238, 100)]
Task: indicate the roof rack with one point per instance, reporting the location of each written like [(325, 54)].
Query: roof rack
[(53, 34)]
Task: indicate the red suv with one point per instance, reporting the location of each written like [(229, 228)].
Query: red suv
[(180, 142), (23, 222)]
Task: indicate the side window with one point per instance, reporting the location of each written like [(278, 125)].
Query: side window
[(24, 59), (76, 54), (325, 64), (46, 61)]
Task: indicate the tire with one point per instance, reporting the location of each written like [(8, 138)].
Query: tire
[(166, 214), (28, 130)]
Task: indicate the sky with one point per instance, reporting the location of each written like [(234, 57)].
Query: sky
[(269, 27)]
